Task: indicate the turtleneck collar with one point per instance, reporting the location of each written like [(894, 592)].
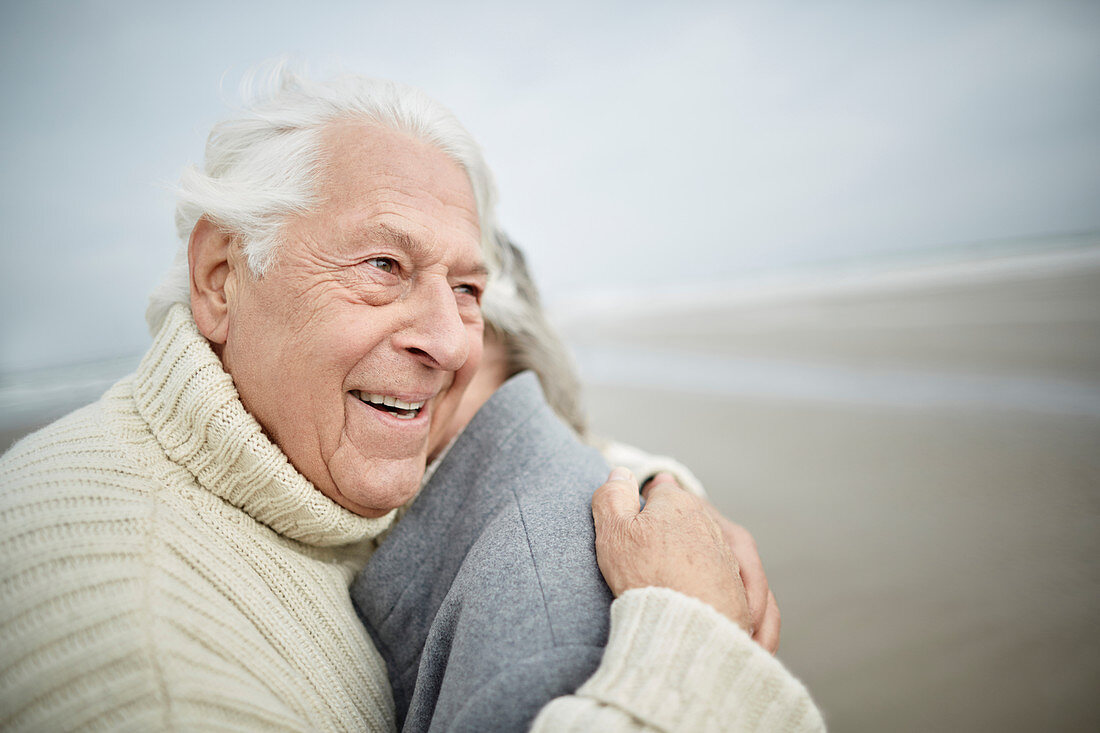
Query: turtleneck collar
[(193, 409)]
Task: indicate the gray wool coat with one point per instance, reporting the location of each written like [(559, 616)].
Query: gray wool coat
[(485, 600)]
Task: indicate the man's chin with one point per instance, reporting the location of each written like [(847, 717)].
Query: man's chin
[(376, 487)]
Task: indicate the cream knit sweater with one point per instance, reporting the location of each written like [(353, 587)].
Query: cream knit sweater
[(164, 567)]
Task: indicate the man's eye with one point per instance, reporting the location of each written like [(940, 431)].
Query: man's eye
[(385, 264), (467, 289)]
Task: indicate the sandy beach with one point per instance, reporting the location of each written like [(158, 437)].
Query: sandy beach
[(918, 456), (935, 570), (928, 508)]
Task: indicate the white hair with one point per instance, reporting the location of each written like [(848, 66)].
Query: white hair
[(261, 167), (514, 315)]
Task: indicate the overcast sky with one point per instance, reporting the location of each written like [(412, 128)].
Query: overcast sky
[(636, 144)]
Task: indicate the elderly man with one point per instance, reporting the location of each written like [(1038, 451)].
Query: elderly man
[(177, 555)]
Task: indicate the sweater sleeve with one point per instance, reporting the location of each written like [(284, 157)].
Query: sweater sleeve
[(647, 465), (673, 663)]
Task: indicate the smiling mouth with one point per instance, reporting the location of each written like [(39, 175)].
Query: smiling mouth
[(398, 408)]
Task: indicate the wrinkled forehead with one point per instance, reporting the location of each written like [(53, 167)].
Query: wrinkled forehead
[(358, 156), (387, 186), (354, 151)]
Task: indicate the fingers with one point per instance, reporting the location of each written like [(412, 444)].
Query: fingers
[(614, 505), (763, 610), (616, 499), (661, 478), (672, 543), (663, 489), (767, 633), (759, 612), (752, 569)]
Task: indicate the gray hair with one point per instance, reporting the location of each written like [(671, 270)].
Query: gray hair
[(514, 315), (261, 167)]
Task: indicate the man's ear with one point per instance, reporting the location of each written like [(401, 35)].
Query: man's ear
[(211, 264)]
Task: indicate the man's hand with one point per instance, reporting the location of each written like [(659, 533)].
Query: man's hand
[(674, 542), (763, 609)]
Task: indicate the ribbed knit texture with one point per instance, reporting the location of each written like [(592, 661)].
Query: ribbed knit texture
[(674, 663), (164, 567), (647, 465)]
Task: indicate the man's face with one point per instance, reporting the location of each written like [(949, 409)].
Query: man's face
[(373, 298)]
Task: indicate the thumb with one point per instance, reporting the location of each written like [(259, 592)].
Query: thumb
[(616, 499)]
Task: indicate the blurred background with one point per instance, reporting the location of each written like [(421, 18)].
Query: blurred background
[(842, 259)]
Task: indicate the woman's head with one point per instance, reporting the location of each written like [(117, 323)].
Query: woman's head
[(518, 337)]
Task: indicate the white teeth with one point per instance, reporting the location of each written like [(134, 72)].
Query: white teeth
[(387, 401)]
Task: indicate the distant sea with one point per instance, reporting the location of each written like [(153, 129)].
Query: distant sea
[(1015, 327), (31, 399)]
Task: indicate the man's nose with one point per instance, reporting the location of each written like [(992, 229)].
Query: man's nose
[(436, 333)]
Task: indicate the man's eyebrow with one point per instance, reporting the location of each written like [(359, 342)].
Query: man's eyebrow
[(480, 269), (415, 247), (396, 237)]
